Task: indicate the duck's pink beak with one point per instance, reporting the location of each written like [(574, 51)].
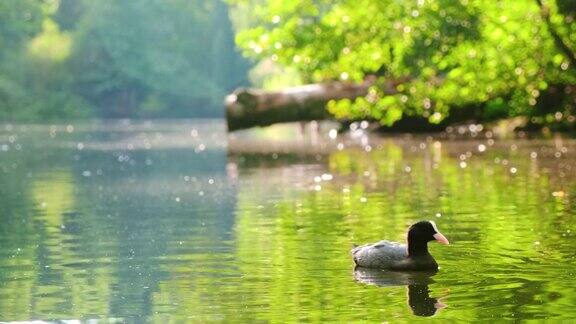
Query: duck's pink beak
[(441, 238)]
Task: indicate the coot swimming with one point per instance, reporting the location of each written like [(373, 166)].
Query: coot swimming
[(396, 256)]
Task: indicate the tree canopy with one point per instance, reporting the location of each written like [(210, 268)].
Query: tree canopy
[(133, 58), (500, 58)]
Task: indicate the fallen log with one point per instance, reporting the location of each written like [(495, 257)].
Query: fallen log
[(247, 107)]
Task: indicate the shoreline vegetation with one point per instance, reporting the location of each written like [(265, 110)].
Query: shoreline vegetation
[(80, 59), (473, 61), (418, 66)]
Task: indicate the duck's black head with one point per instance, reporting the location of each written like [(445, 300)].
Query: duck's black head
[(420, 234)]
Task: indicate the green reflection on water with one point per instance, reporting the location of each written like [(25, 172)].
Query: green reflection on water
[(169, 231)]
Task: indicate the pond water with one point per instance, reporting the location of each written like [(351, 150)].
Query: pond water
[(159, 221)]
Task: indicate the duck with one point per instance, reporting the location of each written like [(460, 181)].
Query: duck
[(413, 256)]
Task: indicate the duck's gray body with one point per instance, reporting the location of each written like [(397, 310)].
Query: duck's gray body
[(380, 255), (392, 256)]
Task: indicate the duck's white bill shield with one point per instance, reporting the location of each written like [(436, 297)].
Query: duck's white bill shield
[(441, 238)]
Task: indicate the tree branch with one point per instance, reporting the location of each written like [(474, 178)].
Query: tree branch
[(562, 46)]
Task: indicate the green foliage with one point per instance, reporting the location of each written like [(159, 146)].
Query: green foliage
[(34, 84), (19, 20), (133, 52), (75, 58), (501, 55)]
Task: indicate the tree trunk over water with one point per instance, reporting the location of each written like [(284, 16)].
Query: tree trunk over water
[(247, 108)]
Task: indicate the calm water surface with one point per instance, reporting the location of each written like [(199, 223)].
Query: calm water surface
[(177, 221)]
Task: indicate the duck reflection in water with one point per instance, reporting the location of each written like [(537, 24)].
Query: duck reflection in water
[(419, 298)]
